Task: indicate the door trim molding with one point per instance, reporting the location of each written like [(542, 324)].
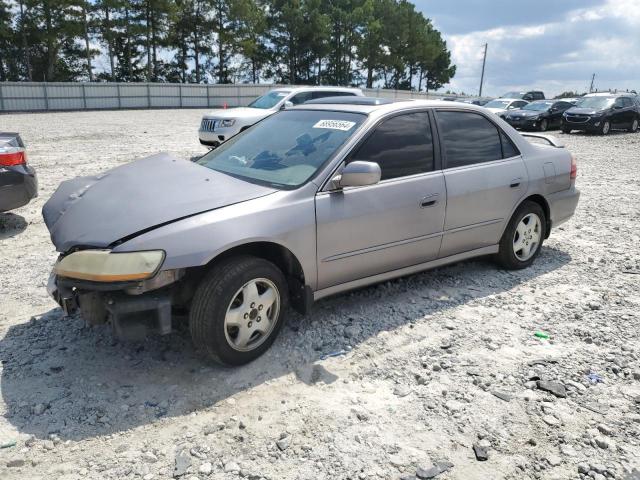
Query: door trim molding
[(381, 277), (383, 246)]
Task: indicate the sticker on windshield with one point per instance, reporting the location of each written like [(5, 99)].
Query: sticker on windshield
[(343, 125)]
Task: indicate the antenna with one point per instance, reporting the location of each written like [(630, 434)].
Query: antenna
[(484, 61)]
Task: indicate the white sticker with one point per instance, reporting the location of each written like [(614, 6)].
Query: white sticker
[(343, 125)]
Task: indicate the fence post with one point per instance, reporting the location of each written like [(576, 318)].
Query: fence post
[(1, 98), (84, 95), (180, 90), (148, 96), (208, 97), (46, 97), (118, 90), (238, 96)]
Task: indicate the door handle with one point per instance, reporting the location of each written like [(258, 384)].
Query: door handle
[(515, 183), (429, 200)]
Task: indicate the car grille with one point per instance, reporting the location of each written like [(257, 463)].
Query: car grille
[(577, 118), (208, 124)]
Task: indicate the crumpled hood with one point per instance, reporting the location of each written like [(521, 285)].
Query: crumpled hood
[(241, 112), (97, 211)]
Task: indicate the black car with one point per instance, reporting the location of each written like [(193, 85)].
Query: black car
[(603, 113), (539, 115), (18, 181), (529, 96)]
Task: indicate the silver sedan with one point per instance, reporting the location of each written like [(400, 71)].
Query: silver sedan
[(310, 202)]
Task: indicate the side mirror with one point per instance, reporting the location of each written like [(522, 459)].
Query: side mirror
[(358, 174), (286, 104)]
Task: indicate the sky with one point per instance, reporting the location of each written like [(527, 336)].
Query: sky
[(552, 45)]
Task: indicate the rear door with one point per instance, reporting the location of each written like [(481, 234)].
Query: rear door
[(364, 231), (485, 178)]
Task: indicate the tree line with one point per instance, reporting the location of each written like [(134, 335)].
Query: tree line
[(384, 43)]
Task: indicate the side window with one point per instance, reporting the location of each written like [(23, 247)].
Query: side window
[(468, 138), (619, 102), (401, 146), (322, 94), (300, 98), (508, 148), (627, 102), (520, 104)]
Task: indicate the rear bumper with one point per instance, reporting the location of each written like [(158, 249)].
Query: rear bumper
[(562, 205), (18, 185)]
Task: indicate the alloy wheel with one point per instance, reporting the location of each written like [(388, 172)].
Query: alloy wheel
[(252, 314), (527, 237)]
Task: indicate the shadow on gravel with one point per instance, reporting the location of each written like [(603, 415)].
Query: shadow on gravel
[(11, 225), (62, 377)]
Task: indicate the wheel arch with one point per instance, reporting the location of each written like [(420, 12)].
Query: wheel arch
[(300, 293)]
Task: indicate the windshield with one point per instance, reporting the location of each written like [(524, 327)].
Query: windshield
[(286, 149), (497, 104), (538, 106), (513, 95), (597, 103), (269, 100)]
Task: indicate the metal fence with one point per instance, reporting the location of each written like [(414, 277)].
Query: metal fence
[(52, 96)]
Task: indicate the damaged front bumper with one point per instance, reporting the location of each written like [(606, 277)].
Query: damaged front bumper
[(133, 308)]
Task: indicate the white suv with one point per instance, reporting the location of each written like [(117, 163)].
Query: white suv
[(222, 124)]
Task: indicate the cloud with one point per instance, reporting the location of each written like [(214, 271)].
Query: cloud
[(557, 48)]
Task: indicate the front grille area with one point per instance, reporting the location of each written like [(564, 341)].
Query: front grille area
[(577, 118), (208, 124)]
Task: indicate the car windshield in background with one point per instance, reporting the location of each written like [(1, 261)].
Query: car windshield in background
[(497, 104), (597, 103), (286, 149), (269, 100), (513, 95), (538, 106)]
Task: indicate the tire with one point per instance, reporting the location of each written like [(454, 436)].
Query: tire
[(508, 256), (212, 323), (633, 128), (566, 130), (605, 128), (544, 124)]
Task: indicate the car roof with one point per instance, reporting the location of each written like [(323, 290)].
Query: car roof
[(354, 100), (509, 100), (319, 87), (398, 105)]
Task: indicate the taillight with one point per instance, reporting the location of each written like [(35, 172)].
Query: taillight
[(574, 168), (10, 159)]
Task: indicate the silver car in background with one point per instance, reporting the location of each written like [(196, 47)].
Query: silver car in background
[(220, 125), (312, 201)]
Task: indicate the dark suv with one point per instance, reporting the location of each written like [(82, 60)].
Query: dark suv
[(539, 115), (602, 113), (528, 96)]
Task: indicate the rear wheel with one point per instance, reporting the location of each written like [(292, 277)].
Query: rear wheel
[(634, 126), (522, 240), (238, 310), (605, 128)]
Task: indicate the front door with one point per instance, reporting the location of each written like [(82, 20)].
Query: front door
[(485, 179), (364, 231)]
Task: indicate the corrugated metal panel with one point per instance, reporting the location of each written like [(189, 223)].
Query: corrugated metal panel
[(30, 96)]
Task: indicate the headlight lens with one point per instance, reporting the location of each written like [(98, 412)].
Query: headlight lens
[(105, 266), (227, 123)]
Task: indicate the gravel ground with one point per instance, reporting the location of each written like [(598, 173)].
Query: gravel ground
[(438, 371)]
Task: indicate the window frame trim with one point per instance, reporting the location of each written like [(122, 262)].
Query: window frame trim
[(437, 161), (499, 130)]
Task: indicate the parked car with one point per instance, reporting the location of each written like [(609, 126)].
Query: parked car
[(477, 100), (310, 202), (502, 105), (18, 180), (538, 115), (222, 124), (603, 113), (529, 96)]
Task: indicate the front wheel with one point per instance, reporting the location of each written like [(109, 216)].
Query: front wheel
[(238, 310), (605, 128), (634, 126), (522, 240), (544, 125)]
